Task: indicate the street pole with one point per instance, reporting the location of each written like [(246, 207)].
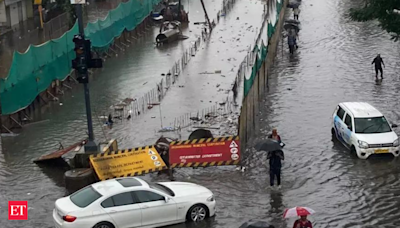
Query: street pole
[(90, 146), (205, 12), (179, 12)]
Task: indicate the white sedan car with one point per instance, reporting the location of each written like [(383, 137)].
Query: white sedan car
[(133, 202)]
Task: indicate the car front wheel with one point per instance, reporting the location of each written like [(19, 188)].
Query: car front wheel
[(197, 213)]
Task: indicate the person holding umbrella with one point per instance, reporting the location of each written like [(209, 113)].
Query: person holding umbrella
[(275, 155), (301, 212)]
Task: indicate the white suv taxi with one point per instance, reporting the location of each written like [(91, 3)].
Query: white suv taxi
[(364, 130)]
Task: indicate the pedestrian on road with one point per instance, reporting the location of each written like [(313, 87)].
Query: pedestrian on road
[(275, 166), (292, 41), (274, 135), (378, 65), (303, 222), (296, 12)]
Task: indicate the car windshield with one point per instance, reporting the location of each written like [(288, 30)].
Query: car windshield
[(371, 125), (161, 188), (85, 197)]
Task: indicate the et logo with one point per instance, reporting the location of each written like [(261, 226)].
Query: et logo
[(17, 210)]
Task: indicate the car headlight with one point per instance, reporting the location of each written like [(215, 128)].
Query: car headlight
[(210, 199), (396, 142), (362, 144)]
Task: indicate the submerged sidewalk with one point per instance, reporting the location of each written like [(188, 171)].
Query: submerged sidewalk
[(207, 80)]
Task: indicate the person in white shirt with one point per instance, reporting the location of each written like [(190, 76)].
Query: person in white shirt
[(296, 12)]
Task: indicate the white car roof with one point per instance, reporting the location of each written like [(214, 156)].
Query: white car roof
[(361, 109), (113, 186)]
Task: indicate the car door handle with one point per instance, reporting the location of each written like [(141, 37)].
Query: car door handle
[(145, 207), (113, 211)]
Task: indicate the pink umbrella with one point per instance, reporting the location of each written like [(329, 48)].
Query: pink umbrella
[(297, 211)]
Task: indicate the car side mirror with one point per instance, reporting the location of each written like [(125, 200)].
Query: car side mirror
[(349, 127), (166, 199), (394, 125)]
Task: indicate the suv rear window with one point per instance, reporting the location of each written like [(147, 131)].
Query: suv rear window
[(85, 197)]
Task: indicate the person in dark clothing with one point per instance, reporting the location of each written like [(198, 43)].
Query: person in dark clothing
[(378, 65), (292, 41), (275, 165), (303, 222)]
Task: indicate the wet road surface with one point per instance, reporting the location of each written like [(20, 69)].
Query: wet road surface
[(332, 65)]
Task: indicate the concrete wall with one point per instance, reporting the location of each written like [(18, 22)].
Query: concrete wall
[(250, 106), (29, 8), (24, 10), (14, 19), (3, 15)]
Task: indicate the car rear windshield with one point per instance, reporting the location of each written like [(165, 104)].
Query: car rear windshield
[(85, 197), (372, 125)]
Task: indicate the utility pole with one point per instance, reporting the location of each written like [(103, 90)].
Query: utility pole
[(81, 63), (179, 11), (205, 12)]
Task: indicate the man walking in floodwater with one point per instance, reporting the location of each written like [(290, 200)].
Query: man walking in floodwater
[(275, 166), (378, 65)]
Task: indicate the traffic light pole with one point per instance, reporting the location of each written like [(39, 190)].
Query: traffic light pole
[(91, 145)]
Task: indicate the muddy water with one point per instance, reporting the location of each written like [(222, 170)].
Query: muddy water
[(332, 65)]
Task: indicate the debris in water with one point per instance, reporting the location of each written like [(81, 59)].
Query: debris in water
[(218, 85), (61, 103), (218, 71), (145, 83)]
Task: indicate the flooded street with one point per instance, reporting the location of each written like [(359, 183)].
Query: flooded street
[(332, 65)]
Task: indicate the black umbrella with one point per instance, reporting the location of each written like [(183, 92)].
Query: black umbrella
[(290, 26), (256, 224), (293, 4), (268, 145)]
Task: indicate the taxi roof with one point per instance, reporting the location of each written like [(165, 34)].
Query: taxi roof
[(361, 109)]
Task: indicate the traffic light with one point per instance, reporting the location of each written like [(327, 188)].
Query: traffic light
[(83, 59), (79, 63)]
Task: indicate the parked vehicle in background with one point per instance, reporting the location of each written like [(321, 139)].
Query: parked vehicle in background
[(133, 202), (364, 130)]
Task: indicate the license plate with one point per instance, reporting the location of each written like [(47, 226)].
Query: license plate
[(381, 151)]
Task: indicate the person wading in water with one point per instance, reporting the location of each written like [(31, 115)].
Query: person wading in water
[(378, 65), (303, 222)]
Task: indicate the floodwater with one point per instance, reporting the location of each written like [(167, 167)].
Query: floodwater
[(332, 65)]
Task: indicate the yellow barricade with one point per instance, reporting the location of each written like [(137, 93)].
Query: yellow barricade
[(111, 146), (125, 163)]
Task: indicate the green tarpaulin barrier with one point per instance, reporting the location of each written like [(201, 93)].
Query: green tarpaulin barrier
[(33, 71), (261, 53)]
